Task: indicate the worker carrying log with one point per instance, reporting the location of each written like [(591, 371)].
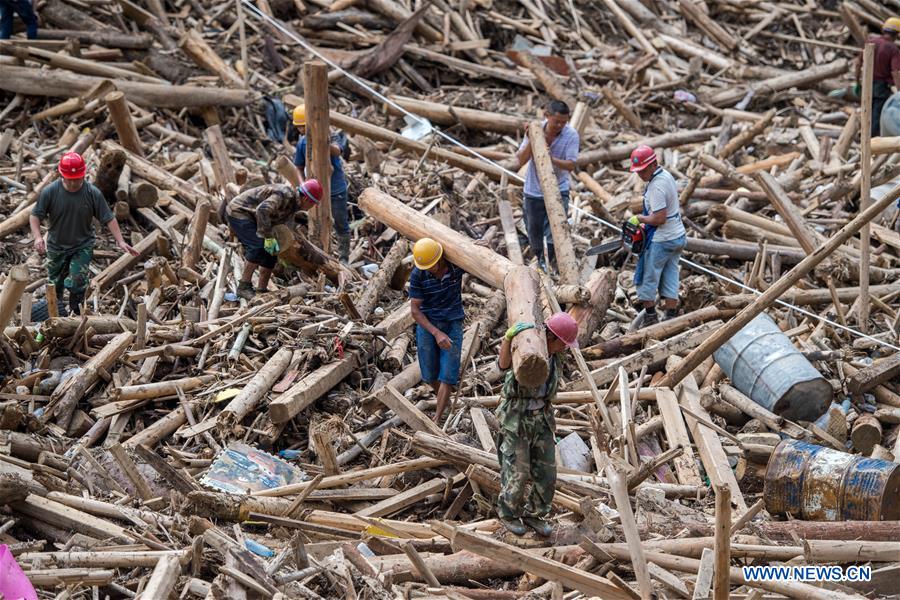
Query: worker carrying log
[(25, 10), (435, 297), (664, 237), (252, 215), (338, 148), (70, 206), (526, 444), (563, 142), (886, 69)]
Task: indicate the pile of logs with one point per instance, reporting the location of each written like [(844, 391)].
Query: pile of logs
[(113, 423)]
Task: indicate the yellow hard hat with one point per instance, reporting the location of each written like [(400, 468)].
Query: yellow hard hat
[(300, 115), (892, 24), (426, 253)]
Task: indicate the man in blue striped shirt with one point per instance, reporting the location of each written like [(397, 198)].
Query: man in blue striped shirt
[(435, 293), (563, 142)]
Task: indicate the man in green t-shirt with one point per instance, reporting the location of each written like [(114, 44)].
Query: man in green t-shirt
[(70, 204)]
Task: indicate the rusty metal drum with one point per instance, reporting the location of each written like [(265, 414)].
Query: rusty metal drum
[(814, 483)]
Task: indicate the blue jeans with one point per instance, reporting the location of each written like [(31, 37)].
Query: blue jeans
[(658, 270), (254, 249), (24, 9), (538, 225), (435, 363), (339, 212)]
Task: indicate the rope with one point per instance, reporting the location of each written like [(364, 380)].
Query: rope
[(515, 176)]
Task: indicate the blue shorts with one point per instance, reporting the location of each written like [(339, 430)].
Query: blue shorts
[(659, 271), (437, 364), (254, 250)]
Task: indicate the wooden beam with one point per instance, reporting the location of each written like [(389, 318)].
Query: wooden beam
[(865, 184), (163, 579), (409, 414), (676, 432), (124, 124), (556, 215), (479, 261), (310, 388), (13, 288), (709, 446), (530, 357), (583, 581), (318, 147), (629, 526), (405, 499), (722, 571)]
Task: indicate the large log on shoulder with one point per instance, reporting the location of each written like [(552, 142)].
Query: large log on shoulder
[(479, 261), (522, 287), (63, 84)]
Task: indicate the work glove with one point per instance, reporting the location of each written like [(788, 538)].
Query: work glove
[(517, 329), (271, 246), (634, 220), (857, 90)]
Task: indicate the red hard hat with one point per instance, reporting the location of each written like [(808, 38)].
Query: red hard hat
[(565, 327), (642, 157), (71, 166), (312, 189)]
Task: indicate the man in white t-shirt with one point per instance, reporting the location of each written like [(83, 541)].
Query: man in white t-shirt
[(657, 268)]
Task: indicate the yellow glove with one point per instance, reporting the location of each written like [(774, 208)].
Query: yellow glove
[(634, 220), (271, 246)]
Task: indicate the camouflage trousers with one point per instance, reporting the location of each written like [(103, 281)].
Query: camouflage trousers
[(527, 454), (68, 270)]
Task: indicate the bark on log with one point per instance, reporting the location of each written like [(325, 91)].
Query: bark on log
[(763, 89), (783, 284), (556, 215), (124, 124), (373, 132), (196, 48), (195, 234), (13, 288), (66, 398), (303, 254), (552, 85), (109, 39), (660, 331), (381, 279), (530, 356), (444, 114), (318, 151), (602, 287), (668, 140), (63, 84), (246, 401)]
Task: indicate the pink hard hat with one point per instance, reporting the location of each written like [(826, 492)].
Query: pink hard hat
[(642, 157), (565, 327)]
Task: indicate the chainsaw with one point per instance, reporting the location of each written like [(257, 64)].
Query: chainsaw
[(633, 239)]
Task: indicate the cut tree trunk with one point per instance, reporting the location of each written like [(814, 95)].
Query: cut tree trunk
[(602, 287)]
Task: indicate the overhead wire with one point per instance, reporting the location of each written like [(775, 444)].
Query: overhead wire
[(515, 176)]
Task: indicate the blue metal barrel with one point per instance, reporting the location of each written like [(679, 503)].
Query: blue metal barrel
[(763, 364)]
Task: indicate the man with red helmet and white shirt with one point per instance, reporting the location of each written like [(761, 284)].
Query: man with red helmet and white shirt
[(664, 235), (70, 205)]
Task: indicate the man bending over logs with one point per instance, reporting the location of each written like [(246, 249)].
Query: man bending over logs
[(252, 215)]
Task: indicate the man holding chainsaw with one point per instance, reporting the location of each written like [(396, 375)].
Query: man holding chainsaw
[(664, 237)]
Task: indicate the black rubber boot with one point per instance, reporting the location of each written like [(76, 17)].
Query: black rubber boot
[(651, 317), (75, 301), (245, 290), (541, 527), (514, 526)]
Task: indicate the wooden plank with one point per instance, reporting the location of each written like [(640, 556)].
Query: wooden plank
[(709, 446), (551, 570), (409, 414), (68, 518), (318, 151), (405, 499), (309, 389), (131, 471), (629, 526), (676, 432), (481, 429)]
